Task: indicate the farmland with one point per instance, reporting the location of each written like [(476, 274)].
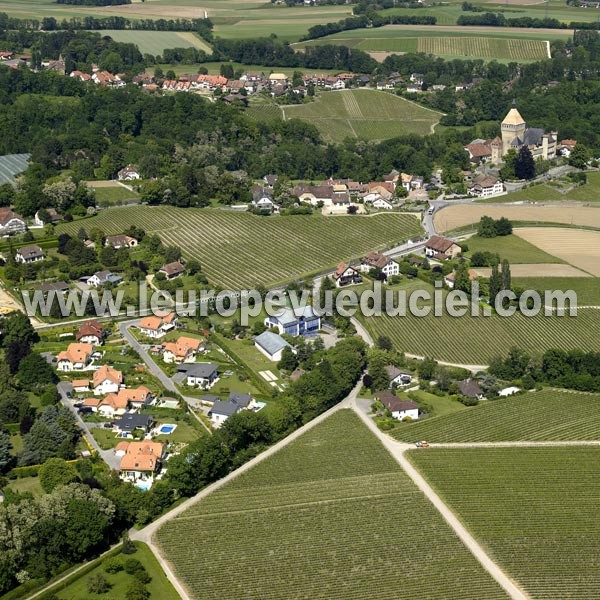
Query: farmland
[(264, 112), (309, 523), (587, 289), (535, 510), (366, 114), (237, 249), (11, 165), (486, 43), (155, 42), (467, 340), (512, 248), (548, 415), (460, 216), (112, 195), (579, 248)]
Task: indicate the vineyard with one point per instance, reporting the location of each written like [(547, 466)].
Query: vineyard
[(476, 340), (485, 47), (549, 415), (239, 250), (535, 510), (264, 113), (366, 114), (331, 516)]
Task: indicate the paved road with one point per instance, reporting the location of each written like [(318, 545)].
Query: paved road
[(397, 450), (146, 535), (155, 369), (108, 456)]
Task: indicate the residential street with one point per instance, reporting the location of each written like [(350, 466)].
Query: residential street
[(154, 368), (108, 456)]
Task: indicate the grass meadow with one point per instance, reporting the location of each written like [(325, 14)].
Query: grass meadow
[(324, 518), (512, 248), (155, 42)]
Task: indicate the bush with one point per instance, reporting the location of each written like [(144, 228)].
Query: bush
[(98, 584), (142, 575), (137, 591), (113, 565), (132, 565)]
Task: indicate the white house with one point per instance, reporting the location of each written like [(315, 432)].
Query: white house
[(52, 217), (183, 350), (262, 198), (101, 278), (345, 275), (235, 403), (382, 204), (76, 357), (157, 326), (375, 260), (107, 380), (129, 173), (29, 254), (271, 345), (398, 377), (485, 186), (91, 332), (11, 222), (203, 375), (399, 408), (300, 321)]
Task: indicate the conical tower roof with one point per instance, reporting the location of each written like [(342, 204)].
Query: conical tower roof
[(513, 118)]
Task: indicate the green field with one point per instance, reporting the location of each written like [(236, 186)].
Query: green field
[(503, 44), (586, 288), (590, 192), (512, 248), (159, 587), (264, 112), (548, 415), (311, 522), (155, 42), (366, 114), (476, 340), (113, 195), (238, 249), (535, 510), (11, 165)]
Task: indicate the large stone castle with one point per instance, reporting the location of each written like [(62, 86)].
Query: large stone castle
[(515, 134)]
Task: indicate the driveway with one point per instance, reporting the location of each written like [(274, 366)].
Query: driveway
[(108, 456)]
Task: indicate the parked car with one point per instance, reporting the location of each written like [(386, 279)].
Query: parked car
[(422, 444)]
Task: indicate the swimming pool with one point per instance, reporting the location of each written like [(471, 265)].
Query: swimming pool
[(143, 485), (166, 429)]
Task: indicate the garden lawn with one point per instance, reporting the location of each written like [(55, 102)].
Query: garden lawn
[(548, 415), (324, 518), (535, 510)]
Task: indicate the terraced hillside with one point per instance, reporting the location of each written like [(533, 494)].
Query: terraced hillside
[(239, 250), (549, 415), (331, 516), (535, 510)]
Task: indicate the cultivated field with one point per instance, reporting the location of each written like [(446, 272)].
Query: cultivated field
[(579, 248), (512, 248), (587, 288), (238, 250), (549, 415), (540, 270), (535, 510), (499, 43), (110, 193), (155, 42), (325, 518), (264, 112), (367, 114), (11, 165), (476, 340), (461, 215)]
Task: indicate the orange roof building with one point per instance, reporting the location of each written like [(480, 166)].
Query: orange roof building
[(142, 457), (182, 350), (76, 356)]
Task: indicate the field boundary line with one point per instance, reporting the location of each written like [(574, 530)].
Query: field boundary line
[(398, 450)]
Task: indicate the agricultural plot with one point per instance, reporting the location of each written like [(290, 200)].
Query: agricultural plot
[(549, 415), (240, 250), (310, 523), (11, 165), (109, 193), (463, 215), (579, 248), (476, 340), (540, 270), (484, 47), (535, 510), (264, 113), (155, 42), (512, 248), (366, 114), (587, 288)]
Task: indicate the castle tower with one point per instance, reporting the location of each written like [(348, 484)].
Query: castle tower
[(496, 146), (512, 127)]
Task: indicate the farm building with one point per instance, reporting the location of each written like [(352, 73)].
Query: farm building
[(441, 247), (172, 270), (271, 345), (400, 409)]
